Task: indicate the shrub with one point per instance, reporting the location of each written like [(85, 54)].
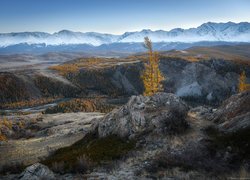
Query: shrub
[(58, 167), (2, 137), (191, 157), (80, 105), (6, 122), (90, 151), (12, 168), (83, 164)]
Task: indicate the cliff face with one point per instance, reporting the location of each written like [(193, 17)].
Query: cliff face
[(209, 81), (120, 80), (205, 81)]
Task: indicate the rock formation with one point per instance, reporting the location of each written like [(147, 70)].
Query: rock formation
[(160, 113), (234, 114), (37, 172)]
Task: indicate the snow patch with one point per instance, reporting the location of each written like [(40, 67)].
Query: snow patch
[(230, 32)]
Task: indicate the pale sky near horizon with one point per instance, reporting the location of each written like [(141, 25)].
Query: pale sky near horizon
[(117, 16)]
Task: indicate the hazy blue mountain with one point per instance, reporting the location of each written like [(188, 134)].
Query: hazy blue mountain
[(105, 48), (207, 34), (230, 32)]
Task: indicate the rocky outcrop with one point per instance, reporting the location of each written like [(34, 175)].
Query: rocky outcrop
[(231, 131), (209, 81), (203, 82), (234, 114), (160, 113), (37, 172)]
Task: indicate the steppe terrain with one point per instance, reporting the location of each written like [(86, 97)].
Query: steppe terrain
[(84, 116)]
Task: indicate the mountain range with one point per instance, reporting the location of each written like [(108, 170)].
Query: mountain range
[(228, 32), (93, 43)]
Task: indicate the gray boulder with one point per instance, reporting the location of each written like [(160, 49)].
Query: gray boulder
[(233, 115), (160, 113), (37, 172)]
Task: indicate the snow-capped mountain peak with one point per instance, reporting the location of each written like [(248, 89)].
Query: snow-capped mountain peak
[(210, 31)]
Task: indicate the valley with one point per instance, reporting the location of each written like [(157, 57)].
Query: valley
[(124, 90), (62, 107)]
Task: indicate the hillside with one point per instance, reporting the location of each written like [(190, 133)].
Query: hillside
[(124, 90), (54, 110), (186, 72), (237, 53)]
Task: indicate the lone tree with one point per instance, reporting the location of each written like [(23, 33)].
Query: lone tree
[(152, 75), (243, 86)]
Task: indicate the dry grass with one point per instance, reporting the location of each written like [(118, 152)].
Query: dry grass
[(65, 68), (88, 152), (91, 63), (6, 122), (58, 167), (16, 128), (81, 105), (177, 173), (2, 137), (241, 174), (238, 54)]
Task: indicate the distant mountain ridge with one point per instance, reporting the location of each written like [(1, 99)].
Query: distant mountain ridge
[(226, 32)]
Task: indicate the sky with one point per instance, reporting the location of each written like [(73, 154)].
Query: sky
[(117, 16)]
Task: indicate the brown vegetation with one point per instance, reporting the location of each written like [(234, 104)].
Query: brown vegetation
[(89, 151), (2, 137), (16, 128), (12, 88), (4, 124), (80, 105), (236, 53), (90, 63), (65, 68)]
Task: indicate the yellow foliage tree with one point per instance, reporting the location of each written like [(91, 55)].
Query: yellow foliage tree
[(65, 69), (243, 86), (152, 75)]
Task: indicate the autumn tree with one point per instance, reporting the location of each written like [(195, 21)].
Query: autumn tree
[(152, 75), (243, 86)]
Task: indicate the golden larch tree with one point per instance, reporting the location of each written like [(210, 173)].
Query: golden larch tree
[(243, 86), (152, 75)]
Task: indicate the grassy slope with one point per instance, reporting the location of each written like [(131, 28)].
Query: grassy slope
[(238, 53)]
